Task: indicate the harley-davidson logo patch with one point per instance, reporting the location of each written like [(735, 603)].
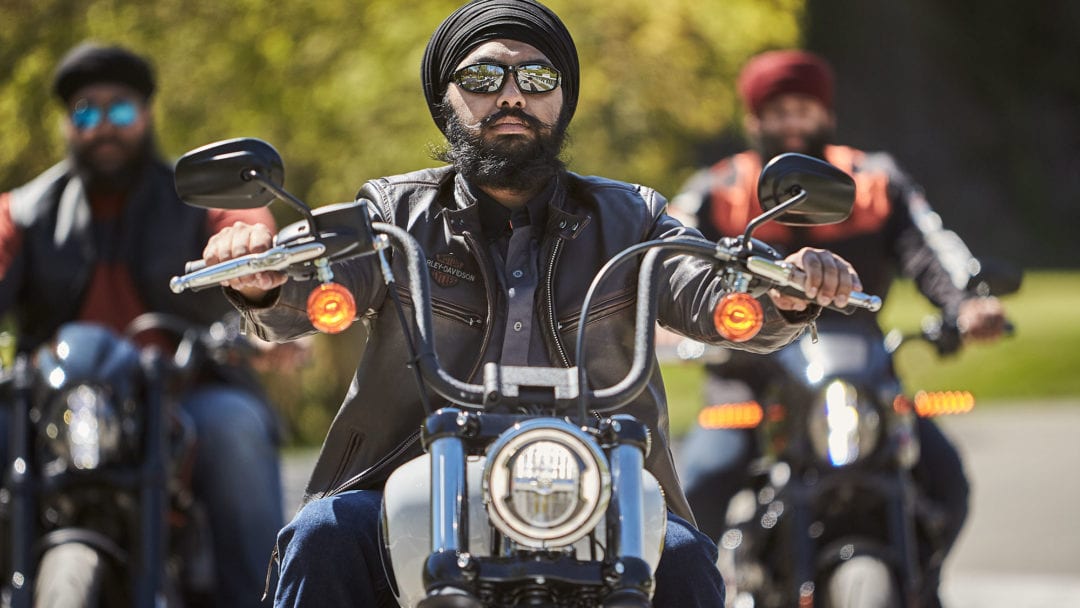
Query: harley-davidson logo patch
[(447, 270)]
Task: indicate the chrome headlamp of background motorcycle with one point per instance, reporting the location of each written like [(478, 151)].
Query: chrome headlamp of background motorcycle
[(547, 484), (82, 428), (844, 427)]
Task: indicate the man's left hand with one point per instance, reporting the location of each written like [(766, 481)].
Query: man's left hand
[(829, 280), (981, 319)]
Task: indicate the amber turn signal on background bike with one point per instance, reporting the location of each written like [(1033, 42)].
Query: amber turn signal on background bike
[(744, 415), (738, 317), (941, 403), (331, 308)]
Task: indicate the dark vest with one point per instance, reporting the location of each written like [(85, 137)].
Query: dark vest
[(159, 234)]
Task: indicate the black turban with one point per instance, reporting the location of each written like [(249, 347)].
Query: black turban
[(483, 20), (90, 63)]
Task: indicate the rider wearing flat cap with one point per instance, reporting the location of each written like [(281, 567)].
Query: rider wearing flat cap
[(96, 238), (512, 240)]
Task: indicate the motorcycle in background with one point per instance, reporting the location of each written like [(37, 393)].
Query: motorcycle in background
[(831, 515), (532, 488), (97, 494)]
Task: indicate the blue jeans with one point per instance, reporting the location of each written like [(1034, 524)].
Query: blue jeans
[(330, 556), (237, 477)]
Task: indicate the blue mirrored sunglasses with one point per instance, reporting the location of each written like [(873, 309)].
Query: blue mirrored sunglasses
[(121, 113)]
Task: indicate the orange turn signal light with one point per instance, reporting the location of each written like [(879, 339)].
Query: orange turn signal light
[(744, 415), (738, 317), (939, 403), (331, 308)]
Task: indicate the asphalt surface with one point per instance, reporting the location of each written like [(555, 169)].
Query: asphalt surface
[(1021, 545)]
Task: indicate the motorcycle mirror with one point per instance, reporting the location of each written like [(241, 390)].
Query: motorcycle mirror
[(829, 192), (241, 173)]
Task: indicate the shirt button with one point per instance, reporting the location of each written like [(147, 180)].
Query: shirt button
[(517, 326), (518, 274)]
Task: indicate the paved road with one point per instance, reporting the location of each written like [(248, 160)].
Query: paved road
[(1021, 547)]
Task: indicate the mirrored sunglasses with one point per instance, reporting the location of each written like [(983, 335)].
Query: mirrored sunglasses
[(490, 77), (121, 113)]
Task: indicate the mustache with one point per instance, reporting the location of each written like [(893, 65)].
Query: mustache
[(533, 122), (100, 142)]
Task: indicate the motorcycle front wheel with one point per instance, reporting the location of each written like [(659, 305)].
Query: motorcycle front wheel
[(70, 575), (862, 582)]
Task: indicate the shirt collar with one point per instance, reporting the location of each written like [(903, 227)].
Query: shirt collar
[(497, 219)]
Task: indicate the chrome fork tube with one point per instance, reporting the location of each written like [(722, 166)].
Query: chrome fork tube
[(627, 463), (448, 523)]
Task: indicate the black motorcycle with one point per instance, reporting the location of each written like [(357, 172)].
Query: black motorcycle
[(532, 489), (97, 498), (831, 515)]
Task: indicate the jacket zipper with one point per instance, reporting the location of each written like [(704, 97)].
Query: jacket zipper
[(553, 325), (447, 309), (599, 311), (379, 464), (485, 276)]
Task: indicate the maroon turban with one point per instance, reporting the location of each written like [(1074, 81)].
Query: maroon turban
[(790, 71)]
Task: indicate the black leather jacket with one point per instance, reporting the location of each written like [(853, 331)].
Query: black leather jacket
[(589, 220)]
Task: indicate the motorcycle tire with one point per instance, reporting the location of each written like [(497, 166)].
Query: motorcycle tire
[(862, 582), (70, 575)]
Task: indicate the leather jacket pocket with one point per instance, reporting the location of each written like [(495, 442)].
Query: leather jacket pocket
[(599, 311), (444, 308)]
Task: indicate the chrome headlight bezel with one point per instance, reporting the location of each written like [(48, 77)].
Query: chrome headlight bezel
[(844, 426), (588, 493)]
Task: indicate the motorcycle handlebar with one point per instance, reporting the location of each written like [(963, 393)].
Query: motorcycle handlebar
[(275, 258), (776, 273), (785, 275)]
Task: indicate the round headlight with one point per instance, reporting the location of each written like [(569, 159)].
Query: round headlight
[(83, 429), (546, 483), (843, 427)]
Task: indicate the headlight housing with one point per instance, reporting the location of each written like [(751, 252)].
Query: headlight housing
[(843, 426), (82, 429), (546, 483)]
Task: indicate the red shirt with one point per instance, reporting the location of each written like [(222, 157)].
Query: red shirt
[(111, 297)]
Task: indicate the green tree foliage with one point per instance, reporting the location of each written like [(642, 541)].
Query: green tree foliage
[(334, 86)]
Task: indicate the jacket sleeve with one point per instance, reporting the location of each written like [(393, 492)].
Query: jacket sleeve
[(282, 316), (694, 289), (935, 258)]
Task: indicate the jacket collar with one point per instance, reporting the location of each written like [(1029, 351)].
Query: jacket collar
[(562, 219)]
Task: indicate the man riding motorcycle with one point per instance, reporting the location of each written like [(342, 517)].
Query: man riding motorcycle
[(788, 96), (512, 241), (96, 238)]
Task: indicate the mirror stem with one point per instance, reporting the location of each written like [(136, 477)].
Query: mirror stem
[(795, 199), (282, 194)]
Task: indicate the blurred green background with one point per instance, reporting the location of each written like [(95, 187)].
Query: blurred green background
[(977, 100), (1039, 360)]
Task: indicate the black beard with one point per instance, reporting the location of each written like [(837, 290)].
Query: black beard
[(109, 181), (814, 144), (509, 162)]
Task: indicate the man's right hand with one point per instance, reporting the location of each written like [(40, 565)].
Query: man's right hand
[(238, 240)]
